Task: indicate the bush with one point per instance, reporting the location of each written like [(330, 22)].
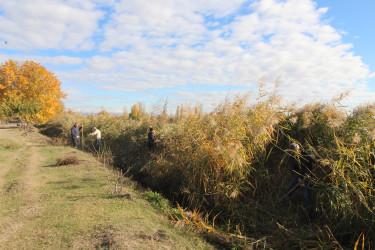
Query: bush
[(156, 199)]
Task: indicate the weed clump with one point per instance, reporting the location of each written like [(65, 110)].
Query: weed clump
[(67, 161), (156, 199)]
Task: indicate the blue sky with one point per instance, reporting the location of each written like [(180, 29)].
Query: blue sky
[(113, 53), (355, 18)]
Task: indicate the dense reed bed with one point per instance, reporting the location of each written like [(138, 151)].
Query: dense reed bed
[(230, 166)]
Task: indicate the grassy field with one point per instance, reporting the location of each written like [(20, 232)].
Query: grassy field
[(45, 206)]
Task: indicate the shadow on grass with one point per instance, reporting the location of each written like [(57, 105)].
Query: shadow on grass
[(50, 166), (110, 197), (37, 146), (78, 197), (73, 187), (66, 187), (58, 182)]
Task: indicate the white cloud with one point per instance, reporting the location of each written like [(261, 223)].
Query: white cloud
[(300, 45), (156, 44), (72, 90), (208, 99), (52, 24), (44, 60)]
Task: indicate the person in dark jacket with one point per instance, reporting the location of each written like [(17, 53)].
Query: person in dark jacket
[(151, 140), (75, 135), (300, 164)]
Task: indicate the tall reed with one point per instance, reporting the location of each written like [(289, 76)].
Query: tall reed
[(231, 164)]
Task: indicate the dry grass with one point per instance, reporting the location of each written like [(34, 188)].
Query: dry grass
[(67, 161), (230, 164)]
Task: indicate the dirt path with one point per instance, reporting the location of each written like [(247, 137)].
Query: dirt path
[(31, 185), (18, 182)]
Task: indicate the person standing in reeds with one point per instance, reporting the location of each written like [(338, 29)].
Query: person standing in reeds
[(300, 164), (75, 135), (98, 135), (151, 140)]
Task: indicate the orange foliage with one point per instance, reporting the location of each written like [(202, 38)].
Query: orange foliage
[(134, 112), (31, 82)]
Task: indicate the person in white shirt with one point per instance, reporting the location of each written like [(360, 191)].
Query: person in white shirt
[(98, 137)]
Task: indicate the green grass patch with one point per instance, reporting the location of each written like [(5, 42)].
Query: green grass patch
[(156, 199)]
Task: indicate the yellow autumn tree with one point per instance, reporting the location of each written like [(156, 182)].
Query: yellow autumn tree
[(32, 83), (134, 112)]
